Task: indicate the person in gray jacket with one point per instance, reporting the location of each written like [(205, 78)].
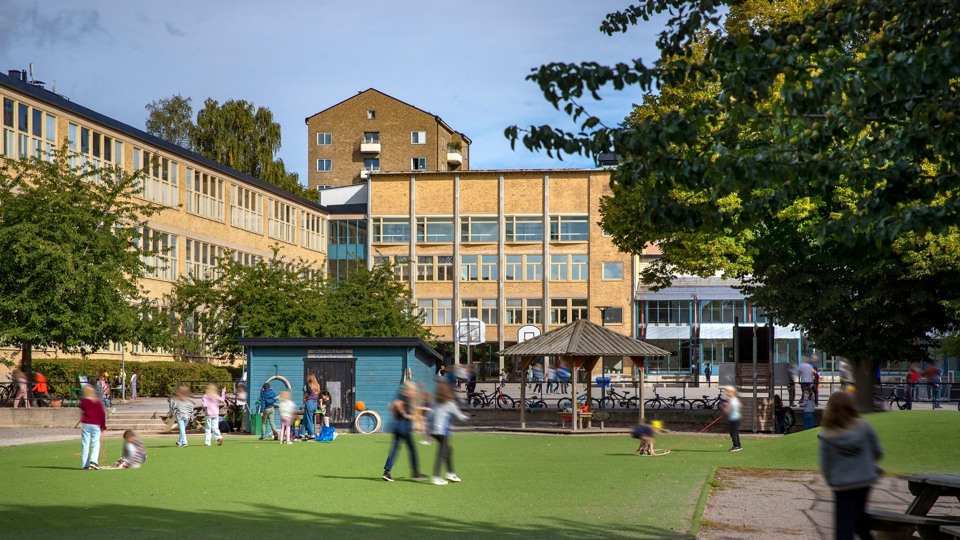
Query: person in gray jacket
[(849, 452)]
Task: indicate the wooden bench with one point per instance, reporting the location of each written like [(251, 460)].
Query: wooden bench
[(581, 416), (904, 525)]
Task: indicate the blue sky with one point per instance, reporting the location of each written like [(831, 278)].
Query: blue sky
[(464, 61)]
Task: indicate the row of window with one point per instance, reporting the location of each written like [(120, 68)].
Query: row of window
[(483, 229), (371, 137), (516, 311), (325, 165), (680, 312), (487, 268), (27, 131), (161, 256)]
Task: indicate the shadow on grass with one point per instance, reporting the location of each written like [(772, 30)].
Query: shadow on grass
[(134, 522), (375, 479), (77, 468)]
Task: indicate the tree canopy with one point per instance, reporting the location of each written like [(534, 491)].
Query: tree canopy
[(171, 119), (808, 148), (70, 239)]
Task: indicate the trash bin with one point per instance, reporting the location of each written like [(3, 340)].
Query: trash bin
[(256, 421)]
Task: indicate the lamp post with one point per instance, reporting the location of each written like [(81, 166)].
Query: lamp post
[(243, 334), (603, 314)]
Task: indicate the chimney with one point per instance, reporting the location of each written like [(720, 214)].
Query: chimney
[(15, 73), (23, 75)]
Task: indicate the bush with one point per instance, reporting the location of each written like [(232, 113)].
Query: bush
[(157, 379)]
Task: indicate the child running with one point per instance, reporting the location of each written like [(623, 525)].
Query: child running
[(181, 410), (645, 433), (443, 414), (134, 453), (287, 411), (93, 420), (211, 411)]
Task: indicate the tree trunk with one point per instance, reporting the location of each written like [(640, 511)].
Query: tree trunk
[(26, 365), (865, 376)]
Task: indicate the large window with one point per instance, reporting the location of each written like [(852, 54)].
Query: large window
[(567, 310), (204, 195), (391, 230), (324, 139), (246, 209), (484, 309), (568, 268), (89, 147), (347, 232), (434, 268), (569, 228), (469, 267), (513, 311), (578, 268), (479, 229), (668, 312), (282, 221), (721, 311), (160, 182), (435, 229), (444, 313), (28, 131), (523, 311), (613, 315), (533, 310), (418, 137), (313, 231), (489, 268), (159, 253), (426, 310), (524, 229), (202, 259), (613, 270)]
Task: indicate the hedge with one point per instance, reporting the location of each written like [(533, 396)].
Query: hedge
[(156, 379)]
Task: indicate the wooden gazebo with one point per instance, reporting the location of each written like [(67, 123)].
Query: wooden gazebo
[(581, 344)]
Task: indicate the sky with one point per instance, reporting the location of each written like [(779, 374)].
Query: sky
[(465, 61)]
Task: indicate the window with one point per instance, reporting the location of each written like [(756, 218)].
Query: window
[(391, 230), (425, 268), (426, 310), (485, 310), (324, 165), (313, 231), (469, 309), (202, 259), (324, 139), (418, 164), (204, 195), (401, 265), (27, 131), (721, 311), (513, 311), (479, 229), (371, 164), (159, 253), (613, 315), (371, 137), (578, 268), (371, 114), (513, 266), (568, 268), (566, 310), (348, 232), (668, 312), (418, 137), (469, 268), (558, 267), (569, 228), (523, 311), (444, 312), (613, 270), (160, 182), (246, 209), (524, 229), (282, 221), (489, 268), (435, 268), (435, 229), (533, 311), (533, 268), (246, 259), (104, 152)]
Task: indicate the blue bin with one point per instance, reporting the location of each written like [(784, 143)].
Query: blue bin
[(603, 382)]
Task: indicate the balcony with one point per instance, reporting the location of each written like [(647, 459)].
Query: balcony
[(454, 157), (370, 145), (365, 173)]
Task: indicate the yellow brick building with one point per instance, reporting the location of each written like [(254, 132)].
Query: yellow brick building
[(511, 247), (207, 207), (372, 132)]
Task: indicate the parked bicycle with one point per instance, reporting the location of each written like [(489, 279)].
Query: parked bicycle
[(615, 399), (672, 402), (564, 403), (498, 398), (531, 403), (895, 402), (707, 402)]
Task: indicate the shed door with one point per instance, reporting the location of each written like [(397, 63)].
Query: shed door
[(336, 377)]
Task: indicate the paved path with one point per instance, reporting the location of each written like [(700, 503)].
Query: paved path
[(787, 505), (18, 436)]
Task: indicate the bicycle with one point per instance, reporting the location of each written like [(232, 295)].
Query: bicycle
[(673, 402), (614, 399), (531, 403), (707, 402), (564, 403), (893, 400), (498, 398)]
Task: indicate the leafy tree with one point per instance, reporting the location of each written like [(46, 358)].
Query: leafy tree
[(68, 275), (171, 119), (279, 297), (807, 148)]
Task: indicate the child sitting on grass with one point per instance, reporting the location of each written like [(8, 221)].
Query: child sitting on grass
[(134, 453), (645, 433)]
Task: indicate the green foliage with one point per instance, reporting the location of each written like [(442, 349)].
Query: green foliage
[(156, 379), (68, 274), (171, 119), (279, 297)]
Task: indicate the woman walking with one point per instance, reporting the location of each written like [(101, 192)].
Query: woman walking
[(443, 415), (848, 457), (403, 411), (311, 397)]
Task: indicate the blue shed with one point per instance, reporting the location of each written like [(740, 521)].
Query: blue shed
[(351, 369)]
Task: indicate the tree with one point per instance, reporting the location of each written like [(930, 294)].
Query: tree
[(245, 137), (71, 258), (813, 154), (278, 297), (171, 119)]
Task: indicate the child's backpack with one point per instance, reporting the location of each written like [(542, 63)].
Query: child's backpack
[(327, 434)]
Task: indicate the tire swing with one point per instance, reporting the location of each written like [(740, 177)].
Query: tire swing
[(362, 422)]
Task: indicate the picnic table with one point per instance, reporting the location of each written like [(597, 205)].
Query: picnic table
[(581, 418), (926, 490)]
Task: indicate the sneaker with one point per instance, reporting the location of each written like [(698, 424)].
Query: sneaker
[(262, 438), (736, 449), (220, 441), (95, 467), (437, 481), (453, 477), (387, 477), (419, 476)]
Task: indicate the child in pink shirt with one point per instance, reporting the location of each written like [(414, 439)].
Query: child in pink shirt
[(211, 410)]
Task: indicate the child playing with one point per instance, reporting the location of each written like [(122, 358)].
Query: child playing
[(93, 420), (287, 411), (808, 407), (40, 390), (134, 453), (20, 379), (181, 410), (645, 433), (104, 388), (268, 399), (425, 417), (443, 414), (211, 411), (325, 401)]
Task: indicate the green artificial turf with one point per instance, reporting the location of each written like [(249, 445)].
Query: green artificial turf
[(515, 486)]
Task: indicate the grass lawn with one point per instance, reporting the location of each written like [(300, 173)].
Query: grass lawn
[(515, 486)]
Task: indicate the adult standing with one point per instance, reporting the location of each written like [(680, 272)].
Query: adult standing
[(134, 382), (932, 374), (403, 411), (732, 410), (848, 455), (815, 379), (805, 370), (792, 384), (311, 398), (913, 380), (538, 378), (551, 379), (707, 372), (268, 400), (563, 377)]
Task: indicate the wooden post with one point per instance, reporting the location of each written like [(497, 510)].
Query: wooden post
[(573, 393), (523, 392), (756, 405)]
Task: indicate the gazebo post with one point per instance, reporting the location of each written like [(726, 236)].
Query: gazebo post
[(640, 363), (523, 392), (573, 393)]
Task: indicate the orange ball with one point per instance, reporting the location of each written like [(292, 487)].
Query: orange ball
[(360, 406)]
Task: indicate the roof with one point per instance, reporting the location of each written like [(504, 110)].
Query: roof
[(358, 94), (56, 100), (583, 338), (427, 351)]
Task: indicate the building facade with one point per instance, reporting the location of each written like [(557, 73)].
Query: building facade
[(510, 247), (207, 207), (372, 132)]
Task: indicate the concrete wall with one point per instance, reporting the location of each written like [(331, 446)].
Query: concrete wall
[(40, 417)]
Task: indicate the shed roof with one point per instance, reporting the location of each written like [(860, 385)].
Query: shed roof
[(427, 352), (583, 338)]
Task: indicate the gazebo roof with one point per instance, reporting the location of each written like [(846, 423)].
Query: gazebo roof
[(583, 338)]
